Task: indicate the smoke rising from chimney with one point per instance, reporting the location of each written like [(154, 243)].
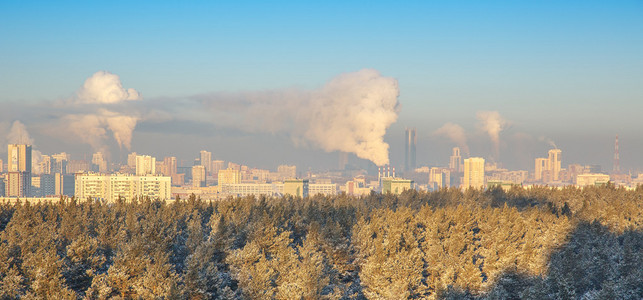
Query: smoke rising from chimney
[(102, 90), (18, 134), (351, 113), (455, 133), (104, 87), (548, 141), (492, 123)]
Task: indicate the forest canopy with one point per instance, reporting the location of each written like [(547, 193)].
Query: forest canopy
[(538, 243)]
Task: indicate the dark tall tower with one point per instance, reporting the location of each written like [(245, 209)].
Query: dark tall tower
[(409, 154), (617, 167)]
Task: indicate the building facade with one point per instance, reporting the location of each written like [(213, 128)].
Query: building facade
[(198, 176), (19, 158), (296, 187), (326, 189), (455, 161), (473, 173), (145, 165), (229, 176), (111, 187), (554, 164), (18, 184), (396, 185), (206, 161)]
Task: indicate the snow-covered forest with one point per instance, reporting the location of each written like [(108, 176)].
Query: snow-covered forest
[(539, 243)]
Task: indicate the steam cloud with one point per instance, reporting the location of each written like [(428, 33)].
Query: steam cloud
[(18, 134), (102, 90), (105, 87), (492, 123), (351, 113), (548, 141), (455, 133)]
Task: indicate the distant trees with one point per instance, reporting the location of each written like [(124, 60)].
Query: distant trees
[(539, 243)]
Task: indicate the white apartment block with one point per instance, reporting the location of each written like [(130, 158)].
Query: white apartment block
[(326, 189), (111, 187), (274, 189)]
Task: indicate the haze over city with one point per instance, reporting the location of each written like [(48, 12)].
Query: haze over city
[(333, 150), (243, 80)]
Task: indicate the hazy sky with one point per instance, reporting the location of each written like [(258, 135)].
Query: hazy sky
[(566, 71)]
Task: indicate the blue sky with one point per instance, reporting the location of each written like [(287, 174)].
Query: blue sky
[(571, 71)]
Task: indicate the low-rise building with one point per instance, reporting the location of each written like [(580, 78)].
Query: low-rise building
[(396, 185), (591, 179), (256, 189), (296, 187), (326, 189)]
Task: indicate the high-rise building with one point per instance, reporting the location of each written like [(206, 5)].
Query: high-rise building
[(198, 176), (439, 178), (18, 184), (216, 166), (169, 166), (19, 170), (99, 164), (554, 163), (206, 161), (229, 176), (455, 161), (548, 169), (19, 158), (617, 165), (131, 160), (59, 163), (1, 166), (540, 169), (409, 147), (45, 164), (145, 165), (474, 172)]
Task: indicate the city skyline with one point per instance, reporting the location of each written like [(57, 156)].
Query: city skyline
[(321, 150), (464, 73)]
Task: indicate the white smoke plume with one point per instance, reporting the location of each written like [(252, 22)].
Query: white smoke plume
[(455, 133), (492, 123), (351, 113), (103, 89), (36, 158), (548, 141), (122, 127), (89, 128), (18, 134)]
